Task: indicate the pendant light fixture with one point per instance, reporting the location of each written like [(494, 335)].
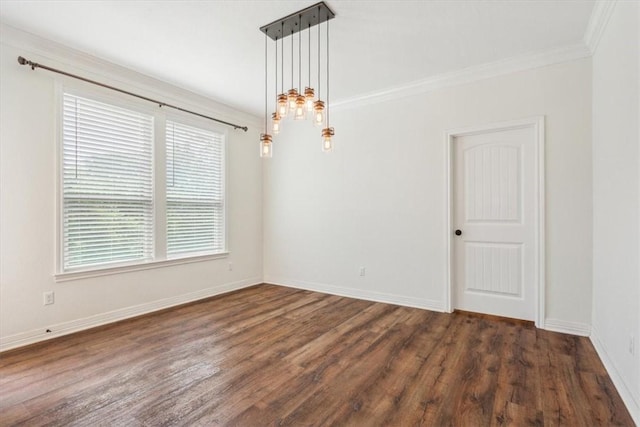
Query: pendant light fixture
[(296, 102), (327, 133), (266, 145), (292, 94), (300, 99), (308, 91), (275, 117), (283, 105), (318, 106)]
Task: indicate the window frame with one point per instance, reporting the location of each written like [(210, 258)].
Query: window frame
[(159, 223), (188, 120)]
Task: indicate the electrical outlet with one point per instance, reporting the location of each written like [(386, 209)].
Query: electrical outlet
[(362, 271), (48, 297), (230, 266), (632, 344)]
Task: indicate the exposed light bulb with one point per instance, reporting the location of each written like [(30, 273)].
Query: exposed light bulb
[(292, 96), (283, 105), (309, 98), (327, 143), (266, 145), (275, 119), (318, 113), (300, 110)]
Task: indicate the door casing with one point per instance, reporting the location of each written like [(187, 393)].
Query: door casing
[(537, 124)]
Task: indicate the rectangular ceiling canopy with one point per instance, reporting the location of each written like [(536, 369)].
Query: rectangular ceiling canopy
[(300, 20)]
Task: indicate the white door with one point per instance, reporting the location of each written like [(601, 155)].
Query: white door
[(494, 222)]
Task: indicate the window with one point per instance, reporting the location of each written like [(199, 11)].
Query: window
[(195, 210), (107, 183), (116, 208)]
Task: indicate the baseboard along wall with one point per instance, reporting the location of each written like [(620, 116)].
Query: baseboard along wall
[(65, 328)]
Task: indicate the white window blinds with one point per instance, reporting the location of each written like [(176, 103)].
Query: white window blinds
[(107, 184), (195, 190)]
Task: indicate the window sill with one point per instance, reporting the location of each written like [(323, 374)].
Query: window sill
[(85, 274)]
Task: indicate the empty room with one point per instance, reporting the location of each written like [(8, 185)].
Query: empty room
[(345, 213)]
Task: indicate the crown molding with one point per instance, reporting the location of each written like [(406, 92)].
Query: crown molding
[(50, 50), (71, 60), (600, 15), (470, 74)]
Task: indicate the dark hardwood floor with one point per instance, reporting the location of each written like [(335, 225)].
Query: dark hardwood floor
[(270, 355)]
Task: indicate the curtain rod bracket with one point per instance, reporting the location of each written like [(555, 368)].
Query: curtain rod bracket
[(23, 61)]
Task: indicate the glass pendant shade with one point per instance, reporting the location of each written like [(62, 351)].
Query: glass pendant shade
[(283, 105), (318, 113), (327, 143), (308, 96), (275, 121), (292, 96), (300, 108), (266, 145)]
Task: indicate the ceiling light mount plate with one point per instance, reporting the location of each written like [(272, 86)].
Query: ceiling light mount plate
[(297, 21)]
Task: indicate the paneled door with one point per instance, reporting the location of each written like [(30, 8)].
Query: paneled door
[(494, 241)]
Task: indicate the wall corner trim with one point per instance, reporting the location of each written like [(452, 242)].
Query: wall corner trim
[(598, 21), (632, 403)]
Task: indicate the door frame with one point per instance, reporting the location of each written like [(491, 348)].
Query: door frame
[(537, 123)]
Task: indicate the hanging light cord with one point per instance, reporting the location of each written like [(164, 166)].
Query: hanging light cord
[(318, 52), (300, 53), (292, 59), (327, 47), (282, 63), (275, 87), (309, 52), (265, 83)]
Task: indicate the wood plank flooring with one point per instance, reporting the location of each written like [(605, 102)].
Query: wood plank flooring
[(269, 355)]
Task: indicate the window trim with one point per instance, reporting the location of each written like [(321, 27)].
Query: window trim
[(125, 268), (160, 117)]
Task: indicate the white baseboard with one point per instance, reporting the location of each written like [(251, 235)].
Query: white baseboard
[(423, 303), (566, 327), (632, 403), (65, 328)]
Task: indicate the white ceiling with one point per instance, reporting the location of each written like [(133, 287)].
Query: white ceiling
[(214, 48)]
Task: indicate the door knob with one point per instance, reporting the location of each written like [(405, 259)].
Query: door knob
[(458, 232)]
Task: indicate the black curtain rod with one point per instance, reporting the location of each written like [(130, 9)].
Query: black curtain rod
[(35, 65)]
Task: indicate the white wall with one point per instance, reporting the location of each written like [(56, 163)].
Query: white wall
[(379, 199), (616, 200), (27, 197)]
